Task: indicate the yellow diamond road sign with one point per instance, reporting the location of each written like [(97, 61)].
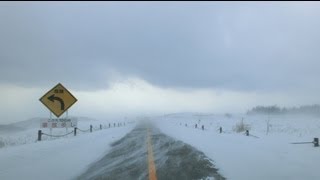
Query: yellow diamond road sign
[(58, 100)]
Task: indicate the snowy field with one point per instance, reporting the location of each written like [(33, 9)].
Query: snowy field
[(26, 132), (264, 157), (57, 158)]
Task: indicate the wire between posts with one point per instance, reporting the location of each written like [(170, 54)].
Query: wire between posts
[(57, 135), (83, 130), (301, 143), (251, 135)]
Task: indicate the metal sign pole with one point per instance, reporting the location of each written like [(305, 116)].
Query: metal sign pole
[(50, 120), (66, 121)]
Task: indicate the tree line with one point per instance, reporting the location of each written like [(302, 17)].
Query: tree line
[(307, 109)]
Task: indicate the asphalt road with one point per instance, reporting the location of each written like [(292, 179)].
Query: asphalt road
[(129, 159)]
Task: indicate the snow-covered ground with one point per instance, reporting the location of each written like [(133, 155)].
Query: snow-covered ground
[(240, 157), (63, 158), (26, 132)]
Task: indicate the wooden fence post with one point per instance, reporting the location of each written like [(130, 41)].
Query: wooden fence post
[(90, 128), (247, 132), (75, 131), (316, 142), (39, 135)]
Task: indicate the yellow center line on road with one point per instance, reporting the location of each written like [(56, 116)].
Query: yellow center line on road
[(152, 167)]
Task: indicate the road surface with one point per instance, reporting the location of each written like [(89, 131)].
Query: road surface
[(147, 154)]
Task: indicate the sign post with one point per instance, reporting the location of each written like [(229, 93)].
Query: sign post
[(67, 118), (58, 100), (50, 126)]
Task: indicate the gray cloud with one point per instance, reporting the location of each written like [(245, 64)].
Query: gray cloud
[(242, 46)]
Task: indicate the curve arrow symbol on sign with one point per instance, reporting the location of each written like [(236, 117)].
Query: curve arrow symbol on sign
[(52, 98)]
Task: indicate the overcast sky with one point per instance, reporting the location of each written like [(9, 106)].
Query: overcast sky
[(158, 57)]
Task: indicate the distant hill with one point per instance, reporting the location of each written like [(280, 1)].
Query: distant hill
[(30, 123), (187, 114), (9, 128)]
